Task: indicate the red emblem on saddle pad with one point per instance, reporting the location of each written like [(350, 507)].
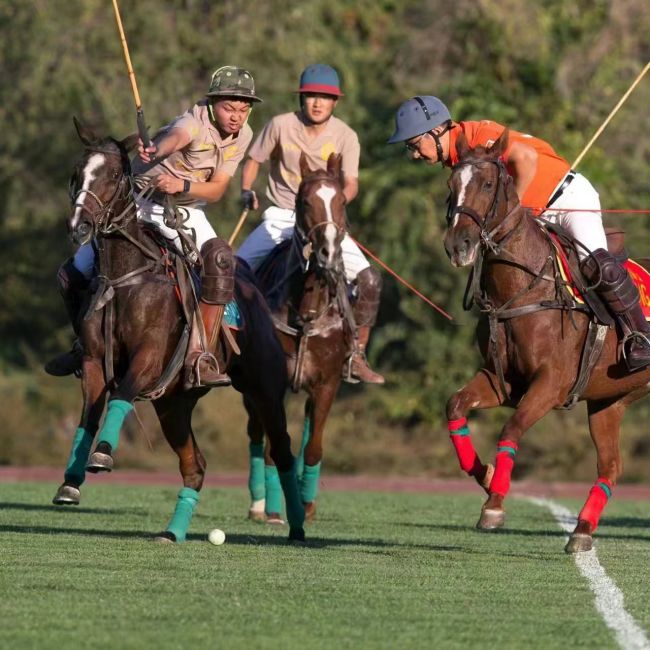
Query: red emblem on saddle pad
[(640, 276)]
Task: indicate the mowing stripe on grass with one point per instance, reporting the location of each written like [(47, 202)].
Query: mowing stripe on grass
[(609, 598)]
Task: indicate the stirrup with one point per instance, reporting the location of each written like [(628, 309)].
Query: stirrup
[(347, 371), (626, 350), (195, 380)]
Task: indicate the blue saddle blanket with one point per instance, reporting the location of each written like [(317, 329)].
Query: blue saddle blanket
[(231, 316)]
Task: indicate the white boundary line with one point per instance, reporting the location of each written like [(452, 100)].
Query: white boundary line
[(608, 597)]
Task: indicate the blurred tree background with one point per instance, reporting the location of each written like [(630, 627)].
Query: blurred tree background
[(551, 68)]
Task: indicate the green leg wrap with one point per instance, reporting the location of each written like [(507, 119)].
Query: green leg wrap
[(75, 470), (306, 435), (180, 522), (295, 510), (118, 409), (309, 483), (273, 489), (256, 472)]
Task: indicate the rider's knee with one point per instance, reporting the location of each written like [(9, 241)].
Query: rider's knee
[(369, 285), (218, 280), (602, 266)]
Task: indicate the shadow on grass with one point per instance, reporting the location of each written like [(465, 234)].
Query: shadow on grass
[(625, 522), (31, 507)]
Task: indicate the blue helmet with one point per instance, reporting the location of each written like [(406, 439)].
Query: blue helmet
[(418, 115), (320, 78)]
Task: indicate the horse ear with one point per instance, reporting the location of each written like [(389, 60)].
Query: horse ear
[(462, 146), (85, 133), (130, 142), (334, 165), (500, 146), (305, 170)]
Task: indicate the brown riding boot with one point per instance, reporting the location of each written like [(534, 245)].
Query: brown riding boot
[(202, 367), (615, 286), (357, 368)]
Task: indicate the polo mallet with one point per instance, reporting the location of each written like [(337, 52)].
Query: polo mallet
[(238, 227), (142, 125)]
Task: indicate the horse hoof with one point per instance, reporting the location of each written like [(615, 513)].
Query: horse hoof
[(310, 510), (491, 519), (258, 516), (275, 519), (99, 462), (579, 543), (296, 536), (67, 495), (165, 538)]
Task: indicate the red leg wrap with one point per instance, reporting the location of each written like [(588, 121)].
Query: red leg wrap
[(462, 441), (505, 461), (596, 502)]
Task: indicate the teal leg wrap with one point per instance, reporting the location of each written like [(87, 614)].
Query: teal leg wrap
[(256, 472), (118, 409), (309, 483), (306, 435), (75, 470), (273, 489), (295, 510), (180, 522)]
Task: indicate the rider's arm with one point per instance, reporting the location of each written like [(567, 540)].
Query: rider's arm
[(350, 189), (248, 175), (210, 191), (523, 160), (164, 146)]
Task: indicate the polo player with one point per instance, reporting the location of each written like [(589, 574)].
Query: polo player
[(316, 132)]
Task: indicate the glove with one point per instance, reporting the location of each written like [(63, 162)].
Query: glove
[(248, 198)]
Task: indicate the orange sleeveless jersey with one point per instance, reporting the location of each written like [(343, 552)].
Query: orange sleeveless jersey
[(551, 168)]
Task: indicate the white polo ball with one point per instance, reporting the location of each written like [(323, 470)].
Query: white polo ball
[(217, 536)]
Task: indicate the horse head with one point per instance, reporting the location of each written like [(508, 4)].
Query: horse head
[(100, 184), (320, 213), (481, 196)]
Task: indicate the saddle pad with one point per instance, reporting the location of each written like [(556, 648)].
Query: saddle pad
[(640, 276)]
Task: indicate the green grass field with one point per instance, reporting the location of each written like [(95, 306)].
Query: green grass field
[(380, 571)]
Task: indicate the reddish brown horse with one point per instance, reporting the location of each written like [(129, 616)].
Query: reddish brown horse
[(305, 286), (530, 338), (145, 337)]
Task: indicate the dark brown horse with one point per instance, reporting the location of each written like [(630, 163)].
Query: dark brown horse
[(305, 286), (143, 339), (531, 339)]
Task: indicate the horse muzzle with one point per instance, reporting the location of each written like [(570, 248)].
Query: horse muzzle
[(82, 233), (461, 251)]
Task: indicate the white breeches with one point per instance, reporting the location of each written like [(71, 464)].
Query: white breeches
[(586, 227), (195, 223), (277, 226)]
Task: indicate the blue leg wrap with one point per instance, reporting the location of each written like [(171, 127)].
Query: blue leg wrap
[(273, 489), (118, 409), (306, 435), (75, 470), (295, 509), (309, 483), (185, 505), (256, 472)]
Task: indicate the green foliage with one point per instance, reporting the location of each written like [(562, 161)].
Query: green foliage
[(557, 80)]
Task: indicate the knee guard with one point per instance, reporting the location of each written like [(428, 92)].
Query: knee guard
[(366, 306), (218, 281), (611, 281)]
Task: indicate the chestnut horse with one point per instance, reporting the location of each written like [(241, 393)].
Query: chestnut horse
[(143, 339), (304, 283), (530, 340)]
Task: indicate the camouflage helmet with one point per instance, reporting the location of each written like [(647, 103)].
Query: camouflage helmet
[(418, 115), (231, 81)]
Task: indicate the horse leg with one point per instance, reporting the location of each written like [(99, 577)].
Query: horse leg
[(256, 486), (317, 409), (144, 369), (175, 415), (540, 398), (94, 393), (272, 490), (604, 426), (479, 393)]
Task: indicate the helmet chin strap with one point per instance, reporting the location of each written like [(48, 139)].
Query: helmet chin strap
[(436, 138)]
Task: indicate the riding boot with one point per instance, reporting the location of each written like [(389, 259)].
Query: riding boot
[(365, 309), (615, 287), (73, 286)]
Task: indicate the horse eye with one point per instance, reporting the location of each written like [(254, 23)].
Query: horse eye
[(116, 174), (488, 185)]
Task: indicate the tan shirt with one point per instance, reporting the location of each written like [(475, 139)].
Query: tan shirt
[(282, 141), (206, 154)]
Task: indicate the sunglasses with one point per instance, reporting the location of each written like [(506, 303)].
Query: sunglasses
[(414, 146)]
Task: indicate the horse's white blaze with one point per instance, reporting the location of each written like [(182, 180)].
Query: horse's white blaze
[(94, 163), (326, 193), (608, 597), (466, 174)]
